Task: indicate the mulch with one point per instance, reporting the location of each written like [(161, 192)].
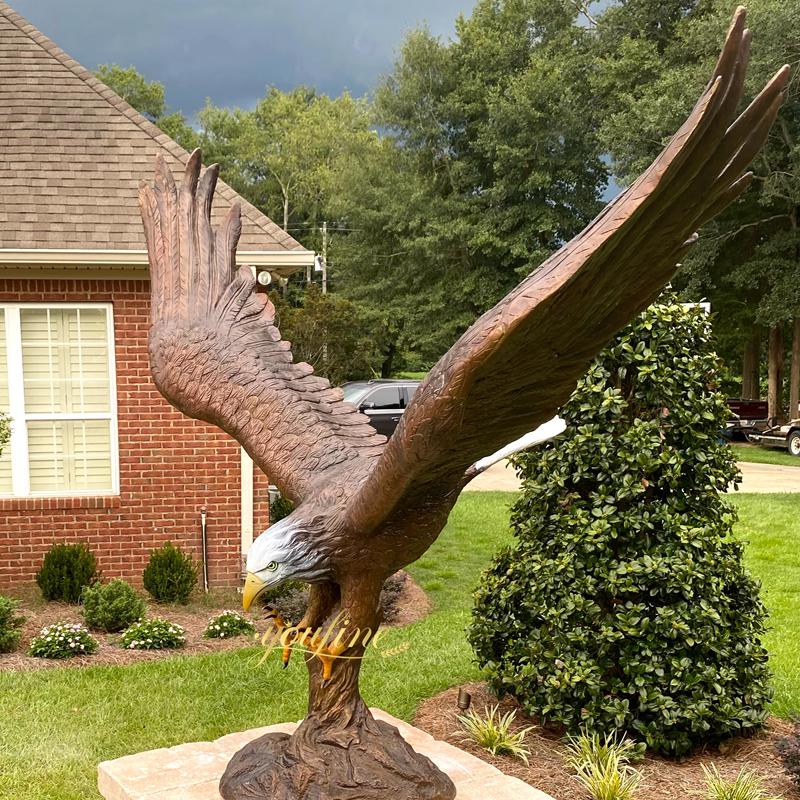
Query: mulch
[(663, 779), (410, 605)]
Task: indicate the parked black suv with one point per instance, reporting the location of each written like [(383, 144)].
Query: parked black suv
[(383, 401)]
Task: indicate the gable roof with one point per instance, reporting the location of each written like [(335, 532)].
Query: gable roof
[(72, 153)]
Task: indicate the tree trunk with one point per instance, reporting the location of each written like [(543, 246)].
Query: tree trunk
[(339, 751), (775, 394), (751, 366), (387, 365), (794, 382)]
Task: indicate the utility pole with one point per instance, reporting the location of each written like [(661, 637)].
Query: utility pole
[(324, 257)]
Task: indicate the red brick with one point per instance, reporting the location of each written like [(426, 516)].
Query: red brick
[(170, 466)]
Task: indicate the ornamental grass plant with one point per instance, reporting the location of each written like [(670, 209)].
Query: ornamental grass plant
[(492, 731)]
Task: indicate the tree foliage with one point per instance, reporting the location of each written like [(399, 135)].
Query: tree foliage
[(480, 155), (653, 58), (488, 163), (332, 334), (148, 98), (284, 154), (623, 603)]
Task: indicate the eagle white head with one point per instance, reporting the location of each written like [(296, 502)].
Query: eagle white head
[(286, 551)]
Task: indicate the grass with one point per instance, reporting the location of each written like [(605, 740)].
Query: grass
[(768, 523), (411, 376), (755, 454), (56, 725)]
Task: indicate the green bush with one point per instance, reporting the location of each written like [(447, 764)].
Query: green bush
[(228, 624), (279, 508), (65, 571), (170, 575), (153, 634), (10, 624), (113, 606), (623, 604), (63, 640), (5, 430)]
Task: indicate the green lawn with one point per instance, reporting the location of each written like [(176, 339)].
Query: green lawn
[(764, 455), (55, 725), (769, 523)]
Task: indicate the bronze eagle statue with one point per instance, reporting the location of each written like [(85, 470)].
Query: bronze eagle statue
[(366, 507)]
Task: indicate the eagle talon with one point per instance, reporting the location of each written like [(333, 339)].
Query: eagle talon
[(298, 636), (328, 655)]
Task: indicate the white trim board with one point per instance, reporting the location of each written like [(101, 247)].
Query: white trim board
[(283, 262), (248, 526)]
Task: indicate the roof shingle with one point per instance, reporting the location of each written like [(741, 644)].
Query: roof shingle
[(72, 153)]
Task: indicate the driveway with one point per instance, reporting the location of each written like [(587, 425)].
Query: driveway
[(757, 478)]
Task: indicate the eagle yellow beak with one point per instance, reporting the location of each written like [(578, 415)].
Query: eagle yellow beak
[(253, 586)]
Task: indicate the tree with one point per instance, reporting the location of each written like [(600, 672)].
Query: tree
[(489, 162), (286, 148), (332, 334), (148, 98), (623, 603), (652, 57)]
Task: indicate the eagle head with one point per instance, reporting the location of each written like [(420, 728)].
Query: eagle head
[(288, 550)]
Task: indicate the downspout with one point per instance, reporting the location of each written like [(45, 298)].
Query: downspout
[(203, 531)]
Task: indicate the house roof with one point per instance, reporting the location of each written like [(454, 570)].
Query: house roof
[(72, 153)]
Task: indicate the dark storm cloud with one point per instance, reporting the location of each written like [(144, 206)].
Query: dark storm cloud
[(230, 51)]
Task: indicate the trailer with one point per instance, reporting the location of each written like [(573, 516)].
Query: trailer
[(786, 437)]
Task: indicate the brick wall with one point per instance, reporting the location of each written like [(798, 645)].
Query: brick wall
[(170, 466)]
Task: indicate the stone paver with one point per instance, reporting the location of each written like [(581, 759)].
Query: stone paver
[(192, 771), (756, 478)]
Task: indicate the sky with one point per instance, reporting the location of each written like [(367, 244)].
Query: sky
[(231, 51)]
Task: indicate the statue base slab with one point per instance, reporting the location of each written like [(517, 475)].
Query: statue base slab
[(192, 771)]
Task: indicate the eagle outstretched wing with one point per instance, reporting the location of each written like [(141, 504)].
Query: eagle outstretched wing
[(520, 361), (217, 355)]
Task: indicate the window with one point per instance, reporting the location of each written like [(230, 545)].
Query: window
[(57, 385), (384, 399)]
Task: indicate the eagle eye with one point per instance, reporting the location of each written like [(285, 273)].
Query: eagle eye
[(272, 566)]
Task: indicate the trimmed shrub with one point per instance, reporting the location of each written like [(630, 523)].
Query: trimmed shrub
[(228, 624), (113, 606), (63, 640), (623, 604), (153, 634), (65, 571), (10, 624), (170, 575)]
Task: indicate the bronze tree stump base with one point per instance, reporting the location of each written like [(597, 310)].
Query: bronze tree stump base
[(378, 764)]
